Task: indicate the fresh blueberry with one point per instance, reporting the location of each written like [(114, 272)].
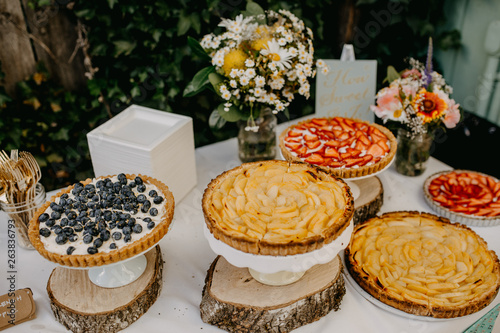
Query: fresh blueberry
[(50, 223), (87, 239), (105, 235), (99, 183), (45, 232), (62, 202), (141, 188), (55, 215), (64, 222), (147, 219), (43, 217), (121, 224), (137, 228), (90, 188), (127, 238), (68, 231), (117, 235), (112, 225), (70, 250), (138, 180), (112, 246), (107, 215), (64, 196), (151, 225), (72, 223), (141, 198), (98, 242), (78, 227), (132, 184), (70, 214), (61, 239), (153, 193), (73, 238), (91, 250), (57, 229), (158, 199), (94, 232), (153, 211), (126, 230)]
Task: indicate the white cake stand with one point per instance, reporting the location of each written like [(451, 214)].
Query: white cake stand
[(279, 270), (355, 188)]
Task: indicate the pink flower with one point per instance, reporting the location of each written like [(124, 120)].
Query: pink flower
[(452, 117), (388, 104), (411, 72)]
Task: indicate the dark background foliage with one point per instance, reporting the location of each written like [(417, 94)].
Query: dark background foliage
[(140, 52)]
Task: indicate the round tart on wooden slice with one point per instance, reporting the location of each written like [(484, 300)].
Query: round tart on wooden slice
[(424, 265), (468, 197), (345, 147), (277, 208), (103, 220)]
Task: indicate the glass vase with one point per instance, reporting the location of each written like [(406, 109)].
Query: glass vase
[(412, 152), (22, 212), (258, 144)]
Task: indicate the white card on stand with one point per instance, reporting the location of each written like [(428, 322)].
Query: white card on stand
[(347, 90)]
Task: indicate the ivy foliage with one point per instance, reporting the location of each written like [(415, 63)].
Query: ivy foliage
[(142, 53)]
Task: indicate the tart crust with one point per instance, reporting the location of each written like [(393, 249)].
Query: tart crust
[(468, 219), (344, 172), (488, 283), (113, 256), (249, 244)]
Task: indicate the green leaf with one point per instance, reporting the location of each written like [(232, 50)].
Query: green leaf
[(195, 22), (253, 9), (392, 74), (197, 49), (183, 25), (111, 3), (124, 47), (232, 115), (215, 120), (215, 79), (199, 82)]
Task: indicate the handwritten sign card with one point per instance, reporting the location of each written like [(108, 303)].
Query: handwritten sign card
[(347, 90)]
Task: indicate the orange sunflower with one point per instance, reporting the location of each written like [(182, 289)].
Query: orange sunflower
[(430, 106)]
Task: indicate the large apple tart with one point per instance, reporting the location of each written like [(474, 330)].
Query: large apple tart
[(277, 208), (101, 221), (345, 147), (423, 265)]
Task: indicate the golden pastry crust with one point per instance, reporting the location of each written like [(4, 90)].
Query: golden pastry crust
[(343, 171), (113, 256), (452, 274), (270, 221)]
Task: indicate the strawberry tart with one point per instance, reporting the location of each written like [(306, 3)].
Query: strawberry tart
[(344, 147)]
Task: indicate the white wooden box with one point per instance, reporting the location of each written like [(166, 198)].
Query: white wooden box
[(147, 141)]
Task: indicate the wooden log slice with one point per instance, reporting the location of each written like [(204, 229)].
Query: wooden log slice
[(233, 301), (82, 306), (370, 200)]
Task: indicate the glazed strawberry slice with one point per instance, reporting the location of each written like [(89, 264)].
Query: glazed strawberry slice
[(346, 127), (354, 152), (315, 159), (332, 152), (375, 150), (313, 144), (383, 145), (335, 164), (293, 139), (360, 145), (320, 121), (309, 137), (353, 161), (294, 133), (332, 143), (345, 155), (302, 151), (300, 127), (293, 145)]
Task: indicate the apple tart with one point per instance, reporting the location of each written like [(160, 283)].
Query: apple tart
[(103, 220), (277, 208), (422, 264), (345, 147)]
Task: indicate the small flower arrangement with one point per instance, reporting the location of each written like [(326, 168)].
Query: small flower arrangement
[(260, 60), (418, 98)]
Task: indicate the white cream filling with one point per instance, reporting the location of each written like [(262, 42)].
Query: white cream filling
[(81, 248)]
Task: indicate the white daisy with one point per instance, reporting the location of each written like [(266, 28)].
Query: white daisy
[(249, 63), (226, 95), (233, 83), (244, 80), (260, 81), (278, 55)]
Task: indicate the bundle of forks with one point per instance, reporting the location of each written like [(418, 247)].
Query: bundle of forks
[(19, 176)]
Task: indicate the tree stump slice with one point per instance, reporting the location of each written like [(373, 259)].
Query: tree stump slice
[(234, 301), (82, 306), (370, 200)]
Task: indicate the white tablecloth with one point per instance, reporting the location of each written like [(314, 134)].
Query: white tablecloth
[(187, 257)]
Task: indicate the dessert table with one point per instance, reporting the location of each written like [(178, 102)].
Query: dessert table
[(187, 257)]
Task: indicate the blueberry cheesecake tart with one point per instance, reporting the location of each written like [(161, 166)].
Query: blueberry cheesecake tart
[(103, 220)]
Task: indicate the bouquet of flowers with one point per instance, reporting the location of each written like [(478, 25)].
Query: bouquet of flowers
[(262, 59), (418, 98)]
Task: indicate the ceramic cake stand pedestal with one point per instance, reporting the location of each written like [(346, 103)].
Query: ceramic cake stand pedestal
[(368, 194), (82, 306), (244, 292)]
